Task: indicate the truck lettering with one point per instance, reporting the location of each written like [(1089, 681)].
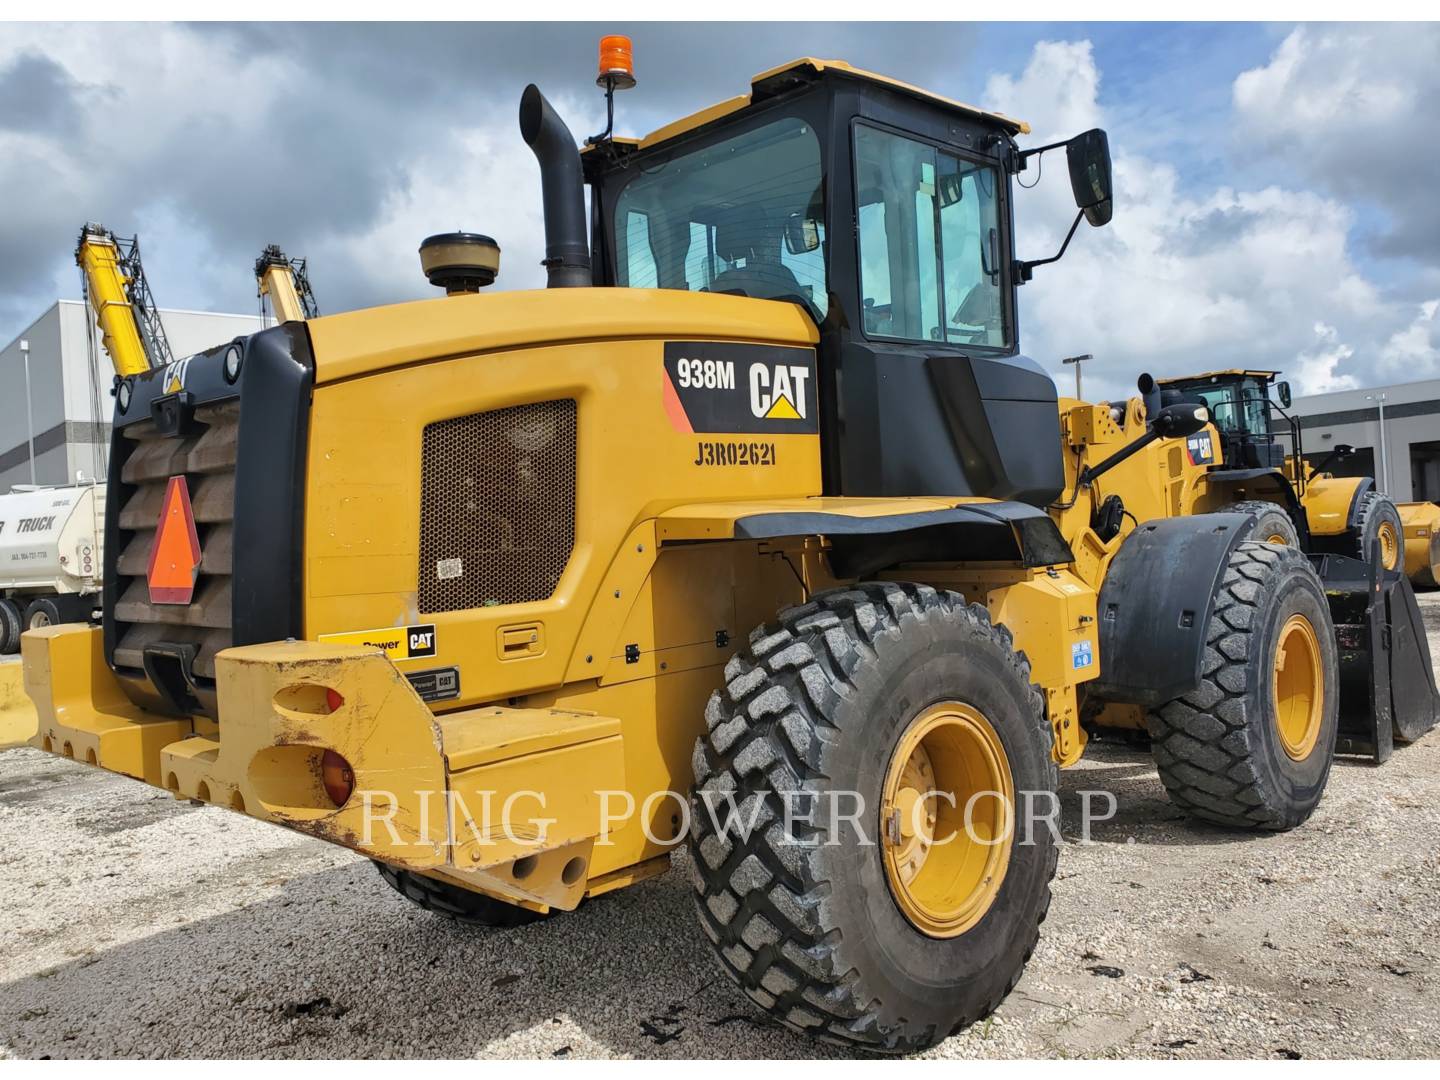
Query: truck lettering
[(36, 524)]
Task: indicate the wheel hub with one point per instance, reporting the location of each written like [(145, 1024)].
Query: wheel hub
[(1298, 687), (947, 819), (1389, 545)]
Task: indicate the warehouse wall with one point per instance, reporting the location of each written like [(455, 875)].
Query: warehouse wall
[(47, 405), (1412, 433)]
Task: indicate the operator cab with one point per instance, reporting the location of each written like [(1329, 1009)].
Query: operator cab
[(1240, 408), (885, 212)]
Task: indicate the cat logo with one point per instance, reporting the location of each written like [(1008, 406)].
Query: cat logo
[(174, 378), (739, 388), (778, 393), (1200, 450)]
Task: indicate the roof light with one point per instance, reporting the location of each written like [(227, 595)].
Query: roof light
[(232, 363), (617, 63)]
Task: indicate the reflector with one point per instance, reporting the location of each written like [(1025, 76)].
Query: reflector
[(175, 551)]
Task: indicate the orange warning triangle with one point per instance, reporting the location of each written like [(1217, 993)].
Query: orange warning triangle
[(781, 409), (175, 552)]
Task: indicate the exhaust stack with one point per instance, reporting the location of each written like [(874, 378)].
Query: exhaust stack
[(567, 249)]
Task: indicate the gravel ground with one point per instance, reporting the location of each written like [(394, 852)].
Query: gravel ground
[(131, 925)]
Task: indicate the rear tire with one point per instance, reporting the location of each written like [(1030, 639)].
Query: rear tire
[(454, 902), (43, 612), (1272, 524), (1252, 746), (1377, 521), (11, 626), (815, 928)]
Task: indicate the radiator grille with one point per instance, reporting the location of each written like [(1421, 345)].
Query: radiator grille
[(497, 509), (207, 460)]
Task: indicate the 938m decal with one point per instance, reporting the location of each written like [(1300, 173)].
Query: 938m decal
[(736, 389), (1200, 449)]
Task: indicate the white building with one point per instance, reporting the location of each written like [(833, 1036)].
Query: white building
[(66, 410), (1409, 468)]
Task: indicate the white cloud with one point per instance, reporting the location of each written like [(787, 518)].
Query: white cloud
[(1351, 108), (1314, 369), (1187, 278), (1414, 352)]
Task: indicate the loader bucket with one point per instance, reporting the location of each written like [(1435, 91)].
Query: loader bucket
[(1387, 682), (1421, 523)]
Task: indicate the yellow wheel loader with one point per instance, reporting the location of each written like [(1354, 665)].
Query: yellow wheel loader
[(1126, 482), (1297, 502), (738, 535)]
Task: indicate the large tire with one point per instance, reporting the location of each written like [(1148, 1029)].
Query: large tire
[(454, 902), (814, 931), (1236, 751), (43, 612), (11, 626), (1377, 521), (1272, 524)]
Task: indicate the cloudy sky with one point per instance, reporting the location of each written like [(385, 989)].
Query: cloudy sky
[(1278, 185)]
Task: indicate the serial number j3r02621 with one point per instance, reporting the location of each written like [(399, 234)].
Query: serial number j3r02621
[(735, 453)]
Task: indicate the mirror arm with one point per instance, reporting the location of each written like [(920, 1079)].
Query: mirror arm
[(1026, 155), (1024, 271)]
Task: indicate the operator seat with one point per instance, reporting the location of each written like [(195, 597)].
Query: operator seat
[(745, 235)]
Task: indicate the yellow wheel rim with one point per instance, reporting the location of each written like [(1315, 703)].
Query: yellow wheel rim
[(1389, 545), (943, 872), (1276, 538), (1299, 689)]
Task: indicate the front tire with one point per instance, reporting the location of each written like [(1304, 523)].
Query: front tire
[(1377, 521), (1251, 747), (836, 931), (1272, 524)]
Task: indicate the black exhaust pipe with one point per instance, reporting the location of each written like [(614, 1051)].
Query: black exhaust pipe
[(1150, 392), (562, 186)]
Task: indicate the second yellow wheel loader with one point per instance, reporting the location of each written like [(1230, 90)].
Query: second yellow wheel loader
[(735, 536), (1297, 501)]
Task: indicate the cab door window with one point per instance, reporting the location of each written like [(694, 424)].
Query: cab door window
[(929, 242)]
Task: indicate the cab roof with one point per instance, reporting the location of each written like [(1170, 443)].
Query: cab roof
[(1227, 372), (769, 83)]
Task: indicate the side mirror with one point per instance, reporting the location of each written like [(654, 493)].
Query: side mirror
[(1179, 420), (802, 234), (1088, 155), (1282, 391)]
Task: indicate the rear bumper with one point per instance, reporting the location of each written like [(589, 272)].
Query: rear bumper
[(473, 796)]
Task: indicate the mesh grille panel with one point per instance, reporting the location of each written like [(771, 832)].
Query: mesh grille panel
[(497, 506)]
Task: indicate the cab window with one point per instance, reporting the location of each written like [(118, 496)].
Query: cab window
[(929, 242), (743, 216)]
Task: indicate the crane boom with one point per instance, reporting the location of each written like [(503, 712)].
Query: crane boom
[(286, 283), (120, 298)]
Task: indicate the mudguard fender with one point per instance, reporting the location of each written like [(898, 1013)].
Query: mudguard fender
[(1155, 604)]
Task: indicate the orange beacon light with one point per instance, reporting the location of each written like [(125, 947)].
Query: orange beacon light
[(617, 62)]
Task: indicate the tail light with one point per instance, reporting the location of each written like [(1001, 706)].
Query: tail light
[(337, 776)]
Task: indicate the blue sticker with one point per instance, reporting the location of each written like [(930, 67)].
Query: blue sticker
[(1082, 654)]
